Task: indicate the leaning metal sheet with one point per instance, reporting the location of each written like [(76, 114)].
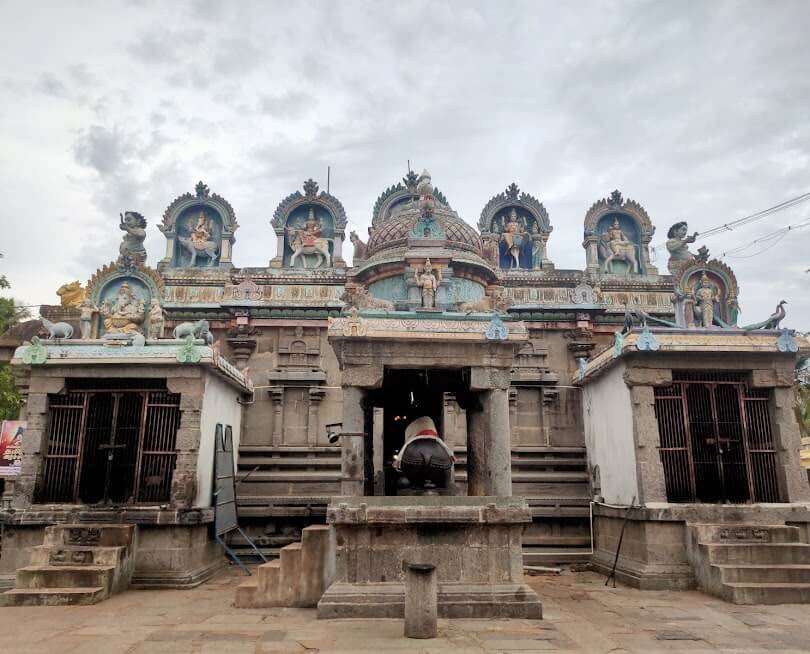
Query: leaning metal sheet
[(224, 486)]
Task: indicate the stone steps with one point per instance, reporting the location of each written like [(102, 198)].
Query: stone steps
[(298, 578), (77, 564), (751, 564)]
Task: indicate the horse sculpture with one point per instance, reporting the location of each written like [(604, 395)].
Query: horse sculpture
[(197, 329), (57, 329)]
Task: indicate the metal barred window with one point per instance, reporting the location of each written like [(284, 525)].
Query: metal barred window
[(716, 443), (110, 446)]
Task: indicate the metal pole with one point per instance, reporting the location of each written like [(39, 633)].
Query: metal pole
[(612, 574)]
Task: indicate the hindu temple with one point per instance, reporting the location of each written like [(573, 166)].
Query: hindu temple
[(446, 396)]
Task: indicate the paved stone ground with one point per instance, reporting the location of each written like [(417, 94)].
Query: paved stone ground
[(581, 615)]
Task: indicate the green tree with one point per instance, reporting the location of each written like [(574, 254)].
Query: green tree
[(802, 397), (10, 314)]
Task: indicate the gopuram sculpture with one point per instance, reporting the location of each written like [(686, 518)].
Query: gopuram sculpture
[(678, 245), (125, 313), (132, 252), (157, 319), (199, 240), (513, 238), (72, 294), (308, 241), (706, 294), (86, 318), (360, 249), (428, 280), (425, 460), (614, 245)]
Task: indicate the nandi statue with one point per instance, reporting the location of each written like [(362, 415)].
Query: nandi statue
[(57, 329), (198, 330), (614, 245), (198, 242)]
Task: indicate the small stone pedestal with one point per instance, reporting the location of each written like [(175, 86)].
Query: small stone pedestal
[(473, 542), (420, 601)]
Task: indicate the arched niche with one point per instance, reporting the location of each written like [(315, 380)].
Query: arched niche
[(122, 298), (515, 229), (310, 229), (199, 230), (617, 238), (700, 282)]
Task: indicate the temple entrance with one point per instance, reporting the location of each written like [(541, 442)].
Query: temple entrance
[(407, 394), (111, 445), (716, 441)]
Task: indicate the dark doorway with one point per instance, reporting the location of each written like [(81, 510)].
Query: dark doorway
[(110, 446), (407, 394), (716, 443)]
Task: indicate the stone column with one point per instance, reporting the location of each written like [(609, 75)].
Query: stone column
[(421, 595), (316, 394), (277, 397), (787, 442), (352, 441), (476, 453), (499, 457), (184, 478)]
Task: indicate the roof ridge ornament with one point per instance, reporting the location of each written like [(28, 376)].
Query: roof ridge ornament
[(201, 190)]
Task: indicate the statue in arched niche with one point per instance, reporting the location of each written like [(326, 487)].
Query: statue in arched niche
[(308, 240), (123, 313), (198, 239), (706, 295), (614, 245)]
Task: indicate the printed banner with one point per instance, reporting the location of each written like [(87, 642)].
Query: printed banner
[(11, 447)]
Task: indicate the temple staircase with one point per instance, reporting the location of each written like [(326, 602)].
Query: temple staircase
[(77, 564), (751, 564), (298, 578)]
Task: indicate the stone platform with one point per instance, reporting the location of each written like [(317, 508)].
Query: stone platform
[(474, 542)]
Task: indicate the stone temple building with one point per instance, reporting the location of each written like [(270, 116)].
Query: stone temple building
[(584, 391)]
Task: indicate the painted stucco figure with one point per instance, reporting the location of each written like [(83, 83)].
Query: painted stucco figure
[(513, 237), (199, 240), (678, 245), (72, 294), (157, 320), (88, 312), (428, 279), (425, 460), (125, 313), (614, 245), (706, 294), (309, 240), (131, 249)]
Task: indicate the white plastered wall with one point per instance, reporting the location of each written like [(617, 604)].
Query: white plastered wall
[(220, 405), (608, 417)]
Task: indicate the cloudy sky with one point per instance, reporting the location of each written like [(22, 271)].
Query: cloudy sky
[(697, 110)]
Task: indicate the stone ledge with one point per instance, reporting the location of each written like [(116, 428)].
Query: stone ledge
[(427, 510), (455, 600), (50, 515)]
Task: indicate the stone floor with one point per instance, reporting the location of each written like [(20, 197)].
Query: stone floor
[(581, 615)]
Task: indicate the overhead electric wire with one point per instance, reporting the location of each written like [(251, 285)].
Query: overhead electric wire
[(775, 236)]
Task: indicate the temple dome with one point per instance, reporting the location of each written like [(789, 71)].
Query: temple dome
[(392, 233)]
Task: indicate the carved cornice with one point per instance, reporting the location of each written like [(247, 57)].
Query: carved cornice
[(309, 196), (616, 204), (512, 197), (397, 193), (201, 197)]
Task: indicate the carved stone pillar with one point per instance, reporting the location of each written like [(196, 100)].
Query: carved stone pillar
[(352, 441), (277, 398), (241, 348), (316, 394), (184, 478), (513, 414)]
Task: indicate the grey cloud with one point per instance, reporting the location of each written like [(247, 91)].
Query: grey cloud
[(50, 84), (293, 104), (102, 149), (164, 46)]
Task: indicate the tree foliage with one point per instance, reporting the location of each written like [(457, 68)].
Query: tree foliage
[(10, 314), (802, 396)]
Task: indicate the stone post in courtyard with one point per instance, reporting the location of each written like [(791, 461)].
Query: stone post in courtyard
[(489, 449)]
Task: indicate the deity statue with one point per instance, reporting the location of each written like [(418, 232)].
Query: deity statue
[(706, 294), (308, 240), (132, 251), (88, 311), (125, 313), (490, 249), (614, 244), (198, 240), (72, 294), (513, 237), (678, 245), (429, 281), (157, 319), (424, 188)]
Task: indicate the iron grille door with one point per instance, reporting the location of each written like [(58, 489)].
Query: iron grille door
[(66, 428), (761, 448), (158, 447), (676, 454)]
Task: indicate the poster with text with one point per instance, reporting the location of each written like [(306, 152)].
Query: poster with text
[(11, 447)]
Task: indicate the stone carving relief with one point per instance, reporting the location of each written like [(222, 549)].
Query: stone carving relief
[(299, 347), (359, 298), (360, 249), (197, 238), (247, 289), (618, 232), (515, 229), (307, 239), (428, 279), (705, 294)]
